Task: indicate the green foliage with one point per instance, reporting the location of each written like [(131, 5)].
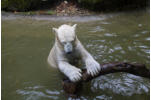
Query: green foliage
[(99, 5), (19, 5), (89, 1)]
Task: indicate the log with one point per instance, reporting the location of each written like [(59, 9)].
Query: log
[(72, 88)]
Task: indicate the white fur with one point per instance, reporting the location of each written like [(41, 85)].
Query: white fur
[(59, 59), (93, 67)]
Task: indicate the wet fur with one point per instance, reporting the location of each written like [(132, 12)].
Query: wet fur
[(67, 63)]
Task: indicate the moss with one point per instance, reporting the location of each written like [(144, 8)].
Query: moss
[(50, 12)]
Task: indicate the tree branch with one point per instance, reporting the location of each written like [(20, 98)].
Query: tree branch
[(136, 69)]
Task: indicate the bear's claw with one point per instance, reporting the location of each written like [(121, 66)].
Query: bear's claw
[(75, 74), (93, 67)]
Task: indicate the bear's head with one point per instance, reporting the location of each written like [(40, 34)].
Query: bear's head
[(65, 35)]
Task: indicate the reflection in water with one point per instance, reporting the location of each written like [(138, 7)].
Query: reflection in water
[(124, 37)]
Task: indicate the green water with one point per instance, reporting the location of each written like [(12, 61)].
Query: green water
[(26, 44)]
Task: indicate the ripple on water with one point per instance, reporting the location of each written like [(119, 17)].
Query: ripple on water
[(34, 87), (143, 46), (104, 97), (137, 35), (52, 92), (103, 22), (37, 93), (144, 32), (117, 47), (97, 29), (110, 34), (148, 38), (127, 85), (34, 95)]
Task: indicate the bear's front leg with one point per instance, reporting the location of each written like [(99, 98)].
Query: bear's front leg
[(92, 66), (73, 73)]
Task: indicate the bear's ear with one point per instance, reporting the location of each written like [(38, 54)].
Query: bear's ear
[(55, 30), (74, 26)]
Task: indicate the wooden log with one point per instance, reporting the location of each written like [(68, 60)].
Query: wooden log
[(135, 69)]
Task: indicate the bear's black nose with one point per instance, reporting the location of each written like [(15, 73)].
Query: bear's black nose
[(69, 52)]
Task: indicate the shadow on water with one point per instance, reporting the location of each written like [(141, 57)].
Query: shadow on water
[(26, 44)]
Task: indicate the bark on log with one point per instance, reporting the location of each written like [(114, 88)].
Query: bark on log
[(136, 69)]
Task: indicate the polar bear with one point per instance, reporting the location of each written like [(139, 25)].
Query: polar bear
[(67, 50)]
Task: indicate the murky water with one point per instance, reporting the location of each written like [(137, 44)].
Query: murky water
[(119, 37)]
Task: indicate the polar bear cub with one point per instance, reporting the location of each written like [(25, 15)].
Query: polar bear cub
[(67, 50)]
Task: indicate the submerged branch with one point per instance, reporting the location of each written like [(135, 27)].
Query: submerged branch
[(136, 69)]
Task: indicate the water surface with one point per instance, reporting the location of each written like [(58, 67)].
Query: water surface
[(26, 43)]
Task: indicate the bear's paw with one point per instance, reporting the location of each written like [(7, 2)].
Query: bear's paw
[(93, 67)]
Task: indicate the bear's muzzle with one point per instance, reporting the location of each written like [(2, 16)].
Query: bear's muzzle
[(68, 48)]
